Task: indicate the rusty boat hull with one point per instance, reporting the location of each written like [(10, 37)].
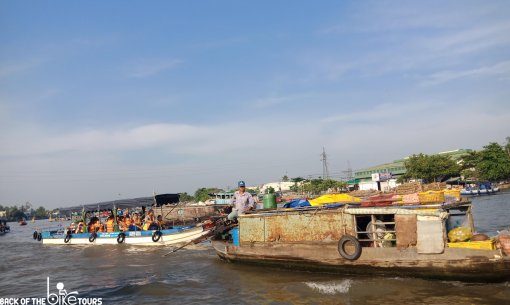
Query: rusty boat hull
[(453, 264)]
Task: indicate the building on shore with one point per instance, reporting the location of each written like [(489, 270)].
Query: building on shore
[(280, 186), (384, 177)]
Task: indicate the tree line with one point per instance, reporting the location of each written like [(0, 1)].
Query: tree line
[(492, 163), (14, 213)]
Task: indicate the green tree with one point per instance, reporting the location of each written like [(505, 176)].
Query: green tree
[(202, 194), (318, 186), (41, 213), (493, 163), (185, 197), (507, 146), (468, 165), (297, 179), (433, 168), (285, 178)]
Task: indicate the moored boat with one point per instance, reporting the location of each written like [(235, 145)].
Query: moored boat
[(485, 188), (394, 240)]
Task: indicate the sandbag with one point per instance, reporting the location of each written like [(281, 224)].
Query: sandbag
[(460, 234)]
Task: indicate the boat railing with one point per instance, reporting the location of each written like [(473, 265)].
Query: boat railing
[(60, 229)]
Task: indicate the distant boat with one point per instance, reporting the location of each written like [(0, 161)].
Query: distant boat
[(33, 219), (22, 222), (4, 228), (50, 219), (480, 189)]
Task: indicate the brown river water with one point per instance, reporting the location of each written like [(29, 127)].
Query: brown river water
[(122, 274)]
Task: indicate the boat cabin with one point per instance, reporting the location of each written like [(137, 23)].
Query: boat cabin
[(423, 227), (223, 198)]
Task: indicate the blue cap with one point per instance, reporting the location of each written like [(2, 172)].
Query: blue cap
[(241, 183)]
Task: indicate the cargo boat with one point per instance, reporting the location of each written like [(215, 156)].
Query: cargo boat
[(393, 240)]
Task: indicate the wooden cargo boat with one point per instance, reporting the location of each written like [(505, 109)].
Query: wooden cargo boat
[(401, 241)]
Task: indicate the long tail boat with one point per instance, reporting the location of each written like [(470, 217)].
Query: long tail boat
[(172, 235)]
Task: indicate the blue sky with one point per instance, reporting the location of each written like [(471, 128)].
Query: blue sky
[(99, 99)]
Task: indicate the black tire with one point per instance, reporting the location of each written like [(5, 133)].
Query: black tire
[(357, 247), (92, 237), (67, 238), (39, 237), (156, 236), (121, 238), (35, 235)]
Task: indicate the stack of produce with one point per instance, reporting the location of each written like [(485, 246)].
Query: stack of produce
[(504, 241), (408, 188), (397, 199), (431, 197), (363, 194), (380, 200), (451, 195), (434, 186), (410, 199)]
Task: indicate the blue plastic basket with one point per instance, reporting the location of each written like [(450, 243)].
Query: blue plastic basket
[(235, 236)]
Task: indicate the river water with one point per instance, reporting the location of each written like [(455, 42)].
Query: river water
[(124, 274)]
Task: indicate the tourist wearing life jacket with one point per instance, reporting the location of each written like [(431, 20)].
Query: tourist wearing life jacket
[(136, 223), (150, 221), (110, 224), (127, 223)]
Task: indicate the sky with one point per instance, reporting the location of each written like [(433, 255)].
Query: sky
[(107, 99)]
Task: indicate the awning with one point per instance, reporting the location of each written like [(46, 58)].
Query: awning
[(158, 200)]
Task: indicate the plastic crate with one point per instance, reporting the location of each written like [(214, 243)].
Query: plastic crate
[(431, 197), (480, 245)]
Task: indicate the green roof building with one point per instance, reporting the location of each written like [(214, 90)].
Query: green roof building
[(396, 168)]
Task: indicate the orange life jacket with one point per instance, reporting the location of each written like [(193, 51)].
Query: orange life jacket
[(110, 226)]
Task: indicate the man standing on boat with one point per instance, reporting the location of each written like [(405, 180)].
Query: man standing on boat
[(241, 202)]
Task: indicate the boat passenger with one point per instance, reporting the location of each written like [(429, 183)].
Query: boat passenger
[(136, 223), (72, 227), (127, 223), (94, 225), (110, 224), (161, 223), (80, 227), (241, 202), (150, 221)]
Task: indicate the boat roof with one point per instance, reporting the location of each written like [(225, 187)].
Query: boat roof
[(157, 200), (355, 209), (221, 193)]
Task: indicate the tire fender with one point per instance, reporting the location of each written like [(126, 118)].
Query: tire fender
[(121, 238), (357, 247), (156, 236)]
